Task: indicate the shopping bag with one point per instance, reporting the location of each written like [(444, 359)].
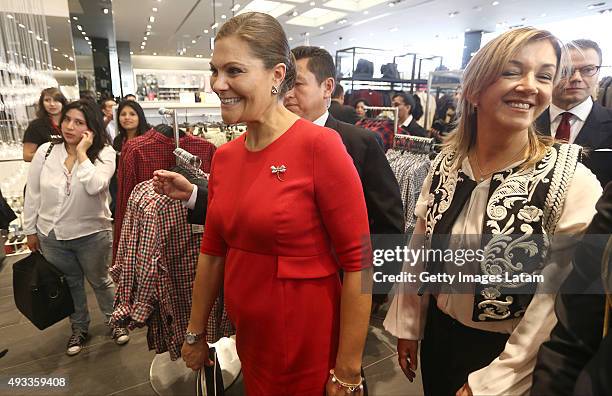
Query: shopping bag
[(209, 381), (41, 291)]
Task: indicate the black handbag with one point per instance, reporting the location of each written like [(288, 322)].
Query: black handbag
[(209, 381), (41, 291)]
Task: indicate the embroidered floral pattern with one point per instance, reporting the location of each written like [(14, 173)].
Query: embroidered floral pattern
[(530, 214)]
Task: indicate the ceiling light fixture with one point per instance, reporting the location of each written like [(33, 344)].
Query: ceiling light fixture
[(148, 33), (193, 41), (84, 33), (75, 18), (143, 43), (151, 19), (366, 12), (145, 38), (214, 25), (154, 9), (79, 27), (223, 16), (312, 3), (495, 3), (131, 52), (9, 16), (342, 21), (86, 38), (55, 49), (468, 30), (235, 7), (321, 27), (105, 10), (391, 4), (205, 31), (290, 39), (148, 26), (154, 53), (295, 13)]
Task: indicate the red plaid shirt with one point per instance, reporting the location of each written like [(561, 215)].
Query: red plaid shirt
[(155, 269), (382, 126), (143, 155)]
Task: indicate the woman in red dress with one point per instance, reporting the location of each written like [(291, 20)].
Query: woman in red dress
[(285, 213)]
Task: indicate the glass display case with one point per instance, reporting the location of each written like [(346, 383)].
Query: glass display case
[(173, 85)]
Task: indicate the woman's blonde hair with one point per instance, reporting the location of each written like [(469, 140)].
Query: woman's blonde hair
[(482, 71)]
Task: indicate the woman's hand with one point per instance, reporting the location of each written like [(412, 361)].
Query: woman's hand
[(33, 243), (172, 184), (335, 389), (464, 390), (196, 355), (407, 351), (86, 141)]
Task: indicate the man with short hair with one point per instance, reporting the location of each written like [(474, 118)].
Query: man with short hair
[(339, 110), (107, 110), (310, 99), (573, 116)]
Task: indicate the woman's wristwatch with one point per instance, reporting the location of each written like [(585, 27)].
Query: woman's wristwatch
[(193, 338)]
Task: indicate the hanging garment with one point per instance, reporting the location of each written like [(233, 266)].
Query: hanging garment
[(143, 155), (429, 103), (155, 269), (381, 126), (410, 170)]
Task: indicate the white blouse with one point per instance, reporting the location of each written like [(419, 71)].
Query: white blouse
[(73, 204), (510, 373)]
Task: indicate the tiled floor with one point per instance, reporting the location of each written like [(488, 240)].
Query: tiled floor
[(104, 368)]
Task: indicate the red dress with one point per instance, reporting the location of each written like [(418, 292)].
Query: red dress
[(281, 284)]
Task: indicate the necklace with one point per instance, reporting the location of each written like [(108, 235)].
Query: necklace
[(484, 175)]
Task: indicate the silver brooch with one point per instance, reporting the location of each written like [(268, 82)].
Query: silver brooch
[(277, 170)]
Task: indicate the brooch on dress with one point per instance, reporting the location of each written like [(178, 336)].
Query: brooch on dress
[(277, 170)]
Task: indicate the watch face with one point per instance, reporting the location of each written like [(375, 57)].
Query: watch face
[(190, 339)]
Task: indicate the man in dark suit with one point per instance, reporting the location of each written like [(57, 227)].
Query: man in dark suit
[(310, 99), (573, 116), (406, 105), (339, 110), (576, 361)]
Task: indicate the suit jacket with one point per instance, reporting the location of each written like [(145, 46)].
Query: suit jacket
[(197, 215), (414, 129), (596, 133), (343, 113), (576, 339), (385, 211)]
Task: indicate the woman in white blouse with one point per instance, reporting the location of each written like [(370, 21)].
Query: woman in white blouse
[(495, 178), (67, 216)]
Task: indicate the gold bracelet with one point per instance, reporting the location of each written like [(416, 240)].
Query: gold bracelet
[(350, 387)]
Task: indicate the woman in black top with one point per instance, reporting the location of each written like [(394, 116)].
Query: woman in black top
[(41, 129), (131, 122)]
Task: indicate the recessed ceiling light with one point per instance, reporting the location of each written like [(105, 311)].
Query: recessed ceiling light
[(79, 27), (55, 49), (147, 33), (312, 3), (468, 30), (495, 3), (148, 26), (155, 53), (86, 38), (84, 33), (154, 9), (391, 4), (321, 27), (295, 13), (71, 58), (75, 18), (105, 10), (65, 56), (151, 19), (142, 47), (143, 43), (145, 38), (214, 25), (131, 52), (193, 41), (307, 34), (290, 39), (31, 32), (223, 16), (366, 12), (322, 46), (9, 16), (235, 7), (273, 8), (342, 21), (205, 31)]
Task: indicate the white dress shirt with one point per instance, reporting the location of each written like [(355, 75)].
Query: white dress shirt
[(510, 373), (580, 114), (407, 122), (322, 120), (73, 204)]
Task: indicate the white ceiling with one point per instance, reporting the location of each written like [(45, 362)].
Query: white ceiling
[(403, 25)]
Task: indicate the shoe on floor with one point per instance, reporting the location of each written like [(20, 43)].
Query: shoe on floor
[(76, 343), (120, 335)]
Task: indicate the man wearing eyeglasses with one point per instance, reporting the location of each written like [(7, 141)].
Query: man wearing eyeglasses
[(573, 116)]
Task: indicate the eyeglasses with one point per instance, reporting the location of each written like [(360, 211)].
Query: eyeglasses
[(586, 71)]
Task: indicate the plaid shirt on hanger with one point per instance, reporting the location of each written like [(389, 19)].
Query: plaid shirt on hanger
[(143, 155), (155, 269)]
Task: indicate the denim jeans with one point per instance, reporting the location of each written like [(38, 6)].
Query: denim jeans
[(88, 256)]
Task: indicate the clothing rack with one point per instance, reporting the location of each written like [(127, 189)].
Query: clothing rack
[(416, 144), (395, 111)]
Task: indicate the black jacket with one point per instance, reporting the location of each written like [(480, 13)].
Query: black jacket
[(595, 134), (577, 337), (343, 113), (380, 187), (198, 214), (414, 129)]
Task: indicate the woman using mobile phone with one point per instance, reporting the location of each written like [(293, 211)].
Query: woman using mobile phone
[(67, 216)]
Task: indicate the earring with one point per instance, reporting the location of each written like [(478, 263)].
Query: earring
[(274, 90)]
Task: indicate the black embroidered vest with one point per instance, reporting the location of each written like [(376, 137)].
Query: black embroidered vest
[(523, 209)]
